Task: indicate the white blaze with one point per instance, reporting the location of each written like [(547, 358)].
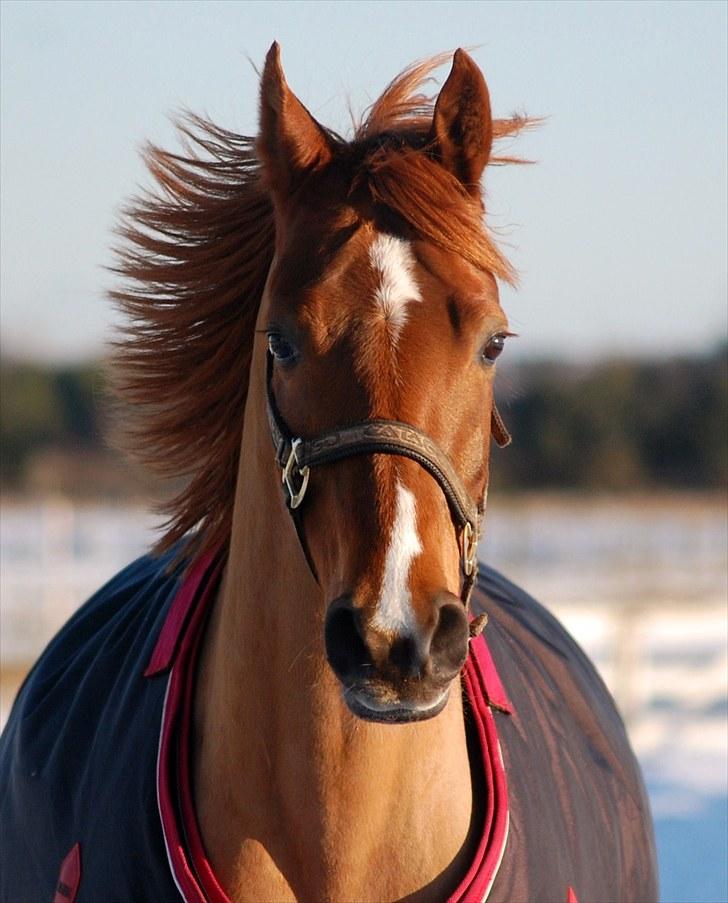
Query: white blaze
[(394, 262), (394, 612)]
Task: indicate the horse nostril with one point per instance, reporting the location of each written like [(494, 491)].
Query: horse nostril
[(346, 650), (449, 645)]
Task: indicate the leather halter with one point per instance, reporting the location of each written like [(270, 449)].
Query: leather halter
[(296, 457)]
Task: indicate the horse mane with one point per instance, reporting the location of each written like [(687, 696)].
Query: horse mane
[(194, 258)]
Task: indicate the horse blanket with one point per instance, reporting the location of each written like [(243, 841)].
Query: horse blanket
[(95, 799)]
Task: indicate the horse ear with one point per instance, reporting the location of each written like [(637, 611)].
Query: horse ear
[(291, 142), (462, 125)]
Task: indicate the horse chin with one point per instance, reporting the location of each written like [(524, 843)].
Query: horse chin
[(369, 708)]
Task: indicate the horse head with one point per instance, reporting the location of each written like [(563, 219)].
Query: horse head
[(381, 308)]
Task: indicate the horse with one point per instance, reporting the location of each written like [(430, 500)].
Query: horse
[(310, 690)]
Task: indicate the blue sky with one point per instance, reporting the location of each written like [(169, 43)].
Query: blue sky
[(619, 232)]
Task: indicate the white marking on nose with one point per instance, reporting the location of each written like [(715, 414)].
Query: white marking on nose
[(395, 613), (393, 260)]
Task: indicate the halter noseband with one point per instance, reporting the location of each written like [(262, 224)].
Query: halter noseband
[(296, 457)]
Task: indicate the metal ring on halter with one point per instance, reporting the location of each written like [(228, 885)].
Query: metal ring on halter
[(295, 496), (470, 549)]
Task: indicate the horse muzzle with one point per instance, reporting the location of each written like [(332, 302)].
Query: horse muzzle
[(396, 677)]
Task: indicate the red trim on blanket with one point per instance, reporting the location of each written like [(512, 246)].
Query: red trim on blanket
[(174, 717), (490, 682), (177, 647), (480, 876), (166, 648), (69, 877), (203, 869)]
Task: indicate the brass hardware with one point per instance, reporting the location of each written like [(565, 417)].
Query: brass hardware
[(295, 495), (470, 549)]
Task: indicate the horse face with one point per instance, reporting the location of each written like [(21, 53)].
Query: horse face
[(366, 319), (397, 330)]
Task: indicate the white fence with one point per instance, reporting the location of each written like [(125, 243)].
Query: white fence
[(54, 555)]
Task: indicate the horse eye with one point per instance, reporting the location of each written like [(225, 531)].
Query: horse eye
[(280, 348), (493, 348)]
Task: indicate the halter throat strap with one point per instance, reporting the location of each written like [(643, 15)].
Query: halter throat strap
[(296, 456)]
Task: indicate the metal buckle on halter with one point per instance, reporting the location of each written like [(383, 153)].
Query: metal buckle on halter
[(470, 549), (295, 496)]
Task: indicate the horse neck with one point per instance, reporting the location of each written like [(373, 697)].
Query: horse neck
[(287, 781)]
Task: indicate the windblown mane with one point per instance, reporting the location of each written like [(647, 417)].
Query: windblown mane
[(195, 257)]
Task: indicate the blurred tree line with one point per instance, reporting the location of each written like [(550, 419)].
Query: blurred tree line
[(54, 423), (46, 408), (616, 425), (619, 425)]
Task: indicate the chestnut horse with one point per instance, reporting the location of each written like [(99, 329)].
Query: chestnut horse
[(293, 700)]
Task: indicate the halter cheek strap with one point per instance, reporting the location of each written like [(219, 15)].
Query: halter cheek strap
[(296, 457)]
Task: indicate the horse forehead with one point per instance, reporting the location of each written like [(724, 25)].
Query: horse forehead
[(376, 269), (367, 284), (414, 281), (397, 273)]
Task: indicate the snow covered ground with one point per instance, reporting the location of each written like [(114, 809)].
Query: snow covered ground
[(642, 585)]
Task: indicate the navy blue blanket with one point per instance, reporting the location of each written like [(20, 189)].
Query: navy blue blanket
[(80, 817), (79, 753)]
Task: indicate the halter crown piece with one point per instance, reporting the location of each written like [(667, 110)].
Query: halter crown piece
[(296, 457)]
